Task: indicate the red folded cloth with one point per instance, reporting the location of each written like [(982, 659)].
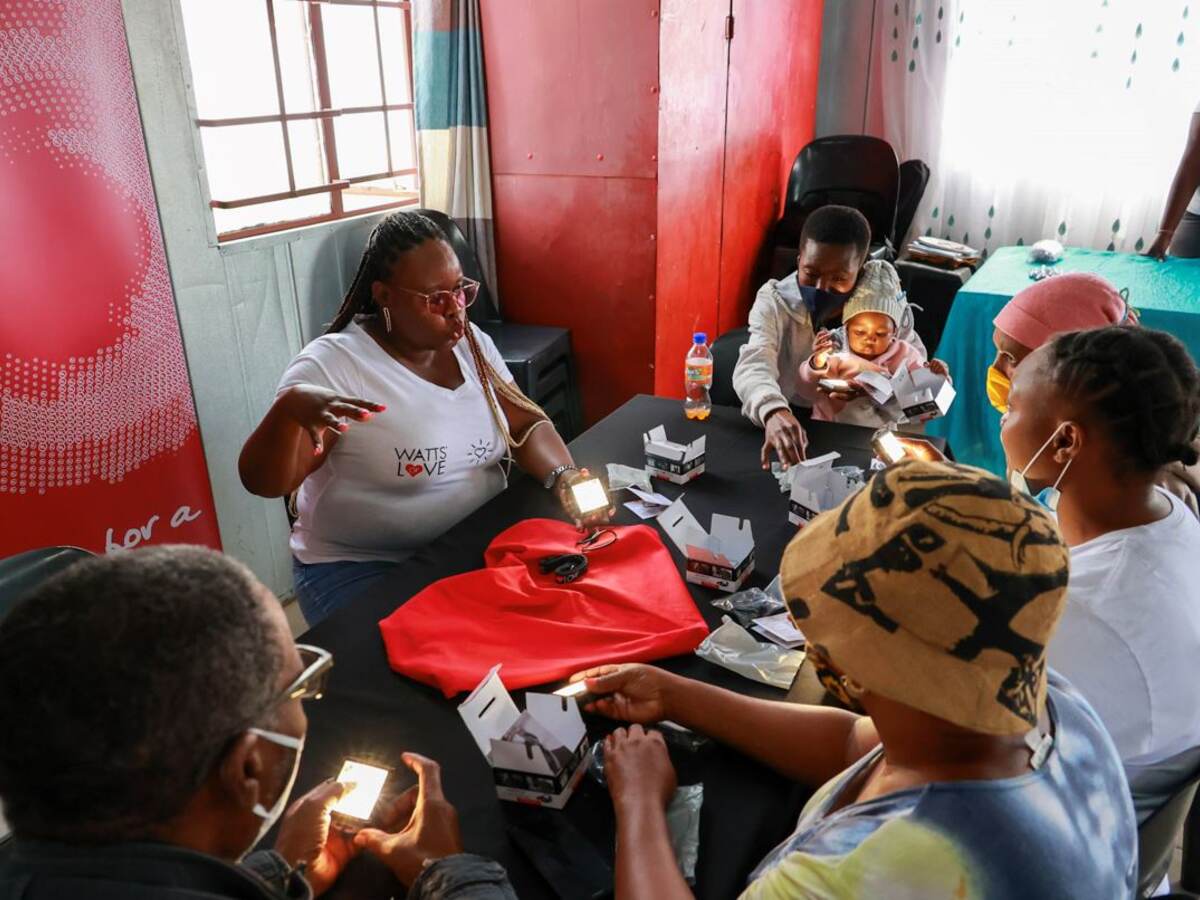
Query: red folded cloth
[(630, 606)]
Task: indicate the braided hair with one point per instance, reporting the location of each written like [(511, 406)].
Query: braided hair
[(1141, 383), (393, 236)]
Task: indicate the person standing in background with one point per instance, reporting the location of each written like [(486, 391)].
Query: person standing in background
[(1179, 230)]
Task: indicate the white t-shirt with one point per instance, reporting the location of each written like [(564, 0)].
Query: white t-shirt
[(1129, 638), (397, 481)]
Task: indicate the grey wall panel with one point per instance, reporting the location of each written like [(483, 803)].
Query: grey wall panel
[(319, 283), (843, 86), (244, 309)]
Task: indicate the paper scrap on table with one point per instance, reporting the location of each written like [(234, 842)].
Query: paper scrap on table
[(652, 498), (780, 629), (649, 505), (644, 510), (622, 477)]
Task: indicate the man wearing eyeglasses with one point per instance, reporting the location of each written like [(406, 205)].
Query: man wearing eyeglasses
[(152, 730)]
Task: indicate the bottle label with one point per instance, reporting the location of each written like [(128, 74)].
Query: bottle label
[(698, 371)]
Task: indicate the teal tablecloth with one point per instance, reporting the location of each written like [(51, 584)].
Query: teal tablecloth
[(1167, 294)]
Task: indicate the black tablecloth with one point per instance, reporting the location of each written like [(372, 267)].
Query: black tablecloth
[(370, 710)]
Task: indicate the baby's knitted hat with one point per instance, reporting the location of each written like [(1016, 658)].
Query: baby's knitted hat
[(878, 290)]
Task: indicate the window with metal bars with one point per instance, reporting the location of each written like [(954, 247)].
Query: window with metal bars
[(304, 109)]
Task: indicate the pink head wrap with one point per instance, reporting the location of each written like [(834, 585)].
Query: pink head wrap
[(1075, 301)]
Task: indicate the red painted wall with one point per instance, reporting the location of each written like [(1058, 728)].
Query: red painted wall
[(773, 63), (630, 215), (573, 109), (691, 145)]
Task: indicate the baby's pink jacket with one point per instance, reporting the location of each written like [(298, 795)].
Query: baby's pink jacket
[(847, 364)]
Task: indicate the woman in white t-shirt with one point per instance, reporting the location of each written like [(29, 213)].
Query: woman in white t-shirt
[(393, 427), (1092, 417), (1179, 230)]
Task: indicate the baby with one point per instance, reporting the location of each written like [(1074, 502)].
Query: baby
[(871, 318)]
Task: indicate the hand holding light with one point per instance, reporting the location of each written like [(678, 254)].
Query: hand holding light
[(431, 832), (584, 498), (306, 838)]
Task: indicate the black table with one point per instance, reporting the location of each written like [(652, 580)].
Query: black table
[(370, 710)]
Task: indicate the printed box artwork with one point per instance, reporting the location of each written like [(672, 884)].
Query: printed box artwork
[(816, 487), (921, 392), (677, 463), (537, 756), (722, 558)]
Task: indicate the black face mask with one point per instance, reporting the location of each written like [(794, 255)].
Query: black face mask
[(823, 306)]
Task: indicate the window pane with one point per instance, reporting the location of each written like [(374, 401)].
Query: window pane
[(394, 38), (308, 159), (244, 160), (361, 144), (351, 55), (295, 56), (270, 213), (401, 125), (377, 193), (229, 45)]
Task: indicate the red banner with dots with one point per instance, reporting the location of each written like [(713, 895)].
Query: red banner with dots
[(99, 446)]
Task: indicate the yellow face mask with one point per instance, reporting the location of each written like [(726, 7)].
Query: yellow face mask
[(998, 386)]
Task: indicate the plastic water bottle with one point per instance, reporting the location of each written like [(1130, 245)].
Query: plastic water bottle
[(697, 378)]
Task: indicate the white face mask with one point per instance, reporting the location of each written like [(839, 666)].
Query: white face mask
[(1050, 496), (271, 816)]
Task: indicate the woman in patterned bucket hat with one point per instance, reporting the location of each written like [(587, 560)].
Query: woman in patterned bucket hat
[(965, 769)]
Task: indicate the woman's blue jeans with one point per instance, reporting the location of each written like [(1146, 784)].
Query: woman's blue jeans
[(323, 588)]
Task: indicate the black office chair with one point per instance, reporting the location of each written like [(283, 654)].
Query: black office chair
[(851, 170), (22, 573), (1156, 837), (1189, 872), (538, 356), (932, 290), (725, 351), (914, 178)]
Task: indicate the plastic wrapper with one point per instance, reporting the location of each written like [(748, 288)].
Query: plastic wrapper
[(1046, 251), (683, 821), (783, 476), (1040, 273), (733, 647), (856, 476), (683, 815), (752, 603), (684, 745), (621, 477)]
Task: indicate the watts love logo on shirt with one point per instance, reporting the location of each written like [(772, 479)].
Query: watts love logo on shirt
[(420, 461)]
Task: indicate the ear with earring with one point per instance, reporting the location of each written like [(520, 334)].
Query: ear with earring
[(387, 319)]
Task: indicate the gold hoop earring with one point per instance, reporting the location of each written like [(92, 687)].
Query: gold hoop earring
[(387, 319)]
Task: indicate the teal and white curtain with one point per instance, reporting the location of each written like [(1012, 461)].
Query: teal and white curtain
[(451, 106), (1040, 118)]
